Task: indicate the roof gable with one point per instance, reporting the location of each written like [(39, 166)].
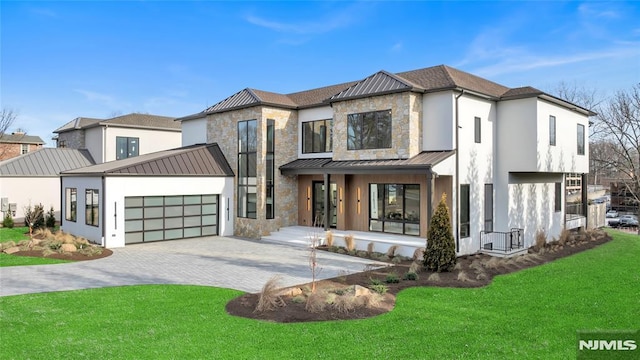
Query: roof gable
[(444, 77), (133, 120), (46, 162), (379, 83), (195, 160), (21, 138)]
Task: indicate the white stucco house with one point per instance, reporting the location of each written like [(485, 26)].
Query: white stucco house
[(34, 178), (171, 194)]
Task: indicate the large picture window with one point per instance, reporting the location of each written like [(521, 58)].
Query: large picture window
[(370, 130), (394, 208), (247, 167), (465, 227), (317, 136), (92, 207), (126, 147), (71, 204)]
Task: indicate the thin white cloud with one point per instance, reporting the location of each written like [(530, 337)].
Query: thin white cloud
[(43, 12), (397, 47), (594, 10), (104, 99), (321, 24)]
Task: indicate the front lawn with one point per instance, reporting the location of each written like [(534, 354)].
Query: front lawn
[(533, 313), (15, 234)]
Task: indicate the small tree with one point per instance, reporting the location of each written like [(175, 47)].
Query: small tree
[(50, 219), (34, 218), (8, 220), (440, 254)]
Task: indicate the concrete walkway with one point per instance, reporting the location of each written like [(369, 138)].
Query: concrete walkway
[(212, 261)]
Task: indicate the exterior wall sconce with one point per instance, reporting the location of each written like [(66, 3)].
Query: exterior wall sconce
[(358, 200), (341, 203), (308, 198)]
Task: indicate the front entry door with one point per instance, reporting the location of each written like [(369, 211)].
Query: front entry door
[(318, 204)]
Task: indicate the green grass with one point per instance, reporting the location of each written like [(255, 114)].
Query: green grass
[(533, 313), (17, 234)]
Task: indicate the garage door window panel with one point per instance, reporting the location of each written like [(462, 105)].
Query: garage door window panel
[(153, 212), (173, 234), (173, 223)]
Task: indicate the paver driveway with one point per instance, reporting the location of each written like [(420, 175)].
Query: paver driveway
[(214, 261)]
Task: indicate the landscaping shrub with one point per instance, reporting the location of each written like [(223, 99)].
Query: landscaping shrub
[(7, 221), (410, 276), (316, 302), (269, 298), (50, 219), (541, 240), (379, 288), (344, 304), (350, 242), (392, 278), (328, 238), (370, 247), (440, 254), (435, 277), (392, 250), (34, 217)]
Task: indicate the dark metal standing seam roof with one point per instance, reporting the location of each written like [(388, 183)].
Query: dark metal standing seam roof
[(194, 160), (45, 162), (381, 82), (21, 139), (422, 161)]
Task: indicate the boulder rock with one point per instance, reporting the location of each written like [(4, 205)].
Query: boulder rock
[(291, 292), (68, 248), (361, 291), (11, 250)]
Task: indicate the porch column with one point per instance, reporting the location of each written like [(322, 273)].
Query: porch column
[(585, 201), (327, 208)]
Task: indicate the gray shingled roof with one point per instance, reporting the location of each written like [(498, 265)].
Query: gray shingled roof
[(134, 120), (21, 139), (424, 160), (431, 79), (194, 160), (45, 162)]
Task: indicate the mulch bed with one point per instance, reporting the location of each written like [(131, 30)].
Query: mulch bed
[(294, 311), (71, 256)]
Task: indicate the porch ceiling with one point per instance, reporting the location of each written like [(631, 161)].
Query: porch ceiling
[(421, 162)]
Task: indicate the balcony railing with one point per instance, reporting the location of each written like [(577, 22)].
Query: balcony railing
[(502, 241)]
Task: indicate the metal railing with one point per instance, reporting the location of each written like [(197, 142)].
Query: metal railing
[(502, 241), (574, 209)]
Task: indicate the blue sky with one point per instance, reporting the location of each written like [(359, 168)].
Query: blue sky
[(62, 60)]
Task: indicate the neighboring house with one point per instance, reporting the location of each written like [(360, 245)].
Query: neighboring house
[(33, 178), (18, 143), (376, 154), (120, 137), (166, 195)]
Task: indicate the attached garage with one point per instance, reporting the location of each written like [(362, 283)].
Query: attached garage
[(169, 195)]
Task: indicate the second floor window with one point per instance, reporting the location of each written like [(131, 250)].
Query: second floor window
[(580, 139), (477, 125), (316, 136), (126, 147), (370, 130), (24, 148)]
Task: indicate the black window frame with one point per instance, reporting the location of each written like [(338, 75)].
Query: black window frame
[(552, 130), (465, 211), (89, 196), (247, 169), (403, 218), (71, 204), (488, 207), (132, 147), (477, 129), (270, 171), (323, 142), (557, 198), (358, 140)]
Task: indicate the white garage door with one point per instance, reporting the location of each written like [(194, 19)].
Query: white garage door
[(156, 218)]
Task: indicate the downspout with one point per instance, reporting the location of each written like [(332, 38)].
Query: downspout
[(457, 189)]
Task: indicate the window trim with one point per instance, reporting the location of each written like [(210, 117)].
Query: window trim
[(94, 207), (477, 129), (552, 131), (71, 204), (358, 142), (581, 139)]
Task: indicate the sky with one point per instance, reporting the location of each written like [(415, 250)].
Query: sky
[(63, 60)]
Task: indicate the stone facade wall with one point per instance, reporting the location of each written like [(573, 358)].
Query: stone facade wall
[(72, 139), (406, 110), (223, 129)]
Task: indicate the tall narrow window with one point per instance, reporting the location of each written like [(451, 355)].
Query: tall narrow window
[(558, 197), (316, 136), (580, 139), (270, 169), (552, 130), (488, 207), (247, 168), (92, 209), (126, 147), (465, 228), (71, 204), (477, 122)]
